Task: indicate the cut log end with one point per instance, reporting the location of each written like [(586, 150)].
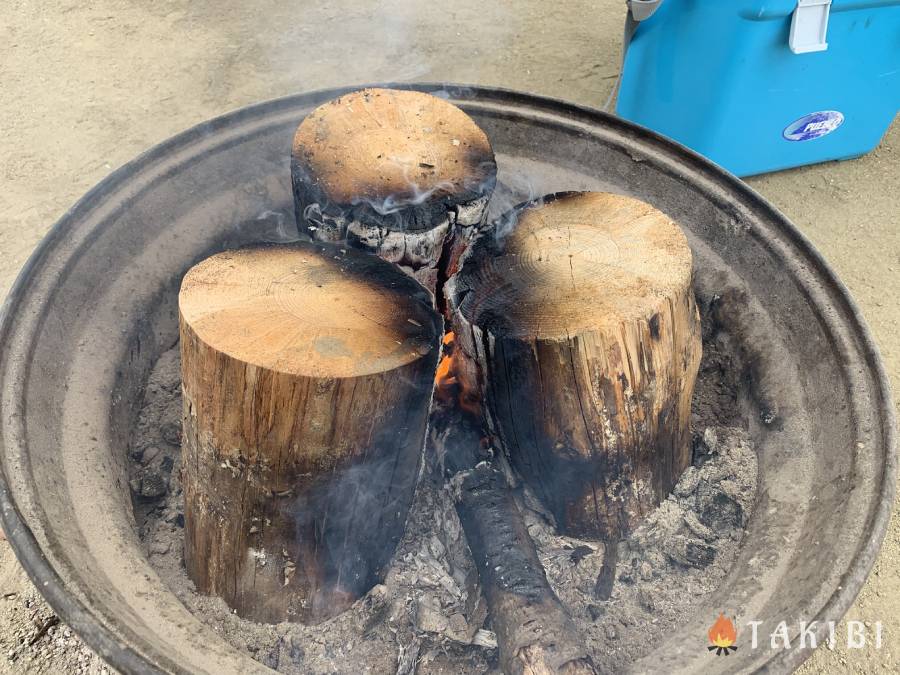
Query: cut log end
[(575, 262), (393, 148), (584, 325), (307, 310), (307, 376)]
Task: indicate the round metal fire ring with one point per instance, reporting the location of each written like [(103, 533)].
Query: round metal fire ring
[(96, 305)]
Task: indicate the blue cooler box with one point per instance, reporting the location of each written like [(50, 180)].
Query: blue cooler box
[(760, 86)]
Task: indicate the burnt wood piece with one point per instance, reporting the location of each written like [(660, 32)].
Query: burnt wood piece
[(585, 338), (535, 634), (307, 375), (392, 172)]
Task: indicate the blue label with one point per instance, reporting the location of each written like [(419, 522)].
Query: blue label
[(813, 125)]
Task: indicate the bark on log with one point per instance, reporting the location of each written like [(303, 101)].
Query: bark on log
[(307, 377), (585, 336), (397, 173)]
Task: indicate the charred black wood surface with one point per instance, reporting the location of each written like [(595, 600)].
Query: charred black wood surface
[(534, 631)]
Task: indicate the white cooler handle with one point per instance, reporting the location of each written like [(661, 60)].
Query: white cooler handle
[(809, 26), (643, 9)]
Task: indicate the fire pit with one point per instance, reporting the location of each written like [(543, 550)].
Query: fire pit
[(96, 307)]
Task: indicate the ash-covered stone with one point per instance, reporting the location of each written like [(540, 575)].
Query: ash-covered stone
[(699, 554), (148, 454), (148, 484), (171, 433), (722, 507), (697, 528)]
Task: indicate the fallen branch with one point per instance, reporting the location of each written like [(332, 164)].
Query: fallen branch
[(535, 633), (42, 630)]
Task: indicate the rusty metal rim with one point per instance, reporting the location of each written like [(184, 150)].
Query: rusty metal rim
[(691, 165)]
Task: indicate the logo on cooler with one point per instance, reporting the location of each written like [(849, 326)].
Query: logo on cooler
[(814, 125)]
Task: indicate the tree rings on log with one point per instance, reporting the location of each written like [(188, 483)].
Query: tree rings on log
[(585, 338), (307, 377)]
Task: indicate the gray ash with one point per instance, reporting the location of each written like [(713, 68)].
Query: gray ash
[(681, 552)]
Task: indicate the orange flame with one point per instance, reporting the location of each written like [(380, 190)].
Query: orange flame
[(449, 384), (444, 377), (722, 633)]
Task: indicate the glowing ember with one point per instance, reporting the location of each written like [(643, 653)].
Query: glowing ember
[(444, 377), (450, 383)]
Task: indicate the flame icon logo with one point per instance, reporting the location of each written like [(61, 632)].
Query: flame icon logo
[(722, 636)]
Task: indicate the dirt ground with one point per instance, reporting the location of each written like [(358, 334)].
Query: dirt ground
[(87, 85)]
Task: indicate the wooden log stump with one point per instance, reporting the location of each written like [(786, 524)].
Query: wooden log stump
[(585, 339), (307, 377), (397, 173)]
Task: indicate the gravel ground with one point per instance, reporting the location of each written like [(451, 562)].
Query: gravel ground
[(31, 638), (89, 84)]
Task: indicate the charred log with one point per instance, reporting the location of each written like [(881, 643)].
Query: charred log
[(392, 172), (535, 633), (307, 376)]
